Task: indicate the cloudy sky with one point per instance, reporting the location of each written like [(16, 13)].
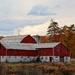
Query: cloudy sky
[(33, 16)]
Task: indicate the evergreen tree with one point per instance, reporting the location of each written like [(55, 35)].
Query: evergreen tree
[(53, 27)]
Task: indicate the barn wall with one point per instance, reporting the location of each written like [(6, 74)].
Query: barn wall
[(66, 59), (61, 50), (45, 52), (18, 58), (2, 54), (3, 59), (47, 58), (56, 58), (2, 51), (17, 55), (28, 39), (21, 52)]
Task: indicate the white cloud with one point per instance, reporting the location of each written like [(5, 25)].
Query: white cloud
[(41, 29), (66, 21), (33, 30)]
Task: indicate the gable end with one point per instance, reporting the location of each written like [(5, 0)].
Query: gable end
[(28, 39)]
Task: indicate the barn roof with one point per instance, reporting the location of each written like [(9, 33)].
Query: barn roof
[(23, 46), (47, 45), (18, 46), (13, 42), (17, 39)]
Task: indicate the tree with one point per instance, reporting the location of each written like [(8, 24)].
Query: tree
[(53, 27), (72, 28)]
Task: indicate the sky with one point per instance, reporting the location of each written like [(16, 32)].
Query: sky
[(33, 16)]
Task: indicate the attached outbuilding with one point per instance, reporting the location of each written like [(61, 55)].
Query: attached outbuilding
[(53, 52)]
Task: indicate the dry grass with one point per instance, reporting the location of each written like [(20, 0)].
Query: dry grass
[(38, 69)]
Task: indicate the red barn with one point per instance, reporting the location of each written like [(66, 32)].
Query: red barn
[(53, 52), (17, 48), (25, 48)]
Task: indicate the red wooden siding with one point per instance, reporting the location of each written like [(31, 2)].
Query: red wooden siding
[(61, 50), (45, 52), (13, 52), (21, 53), (2, 51), (28, 39)]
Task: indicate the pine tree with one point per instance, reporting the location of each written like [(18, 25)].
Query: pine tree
[(53, 27)]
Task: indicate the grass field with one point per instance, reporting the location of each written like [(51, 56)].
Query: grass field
[(73, 60), (38, 68), (58, 68)]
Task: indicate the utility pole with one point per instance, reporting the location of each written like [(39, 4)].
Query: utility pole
[(18, 32)]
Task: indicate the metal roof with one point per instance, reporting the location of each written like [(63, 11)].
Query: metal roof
[(13, 42), (23, 46), (46, 45), (17, 39), (18, 46)]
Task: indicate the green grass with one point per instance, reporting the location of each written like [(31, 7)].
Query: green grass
[(73, 60)]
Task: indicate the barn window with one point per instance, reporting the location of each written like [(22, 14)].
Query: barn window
[(66, 58), (46, 58), (21, 56), (56, 57)]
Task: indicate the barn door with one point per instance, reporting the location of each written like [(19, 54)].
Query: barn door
[(61, 59), (50, 59)]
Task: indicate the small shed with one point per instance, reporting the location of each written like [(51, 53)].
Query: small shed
[(53, 52)]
